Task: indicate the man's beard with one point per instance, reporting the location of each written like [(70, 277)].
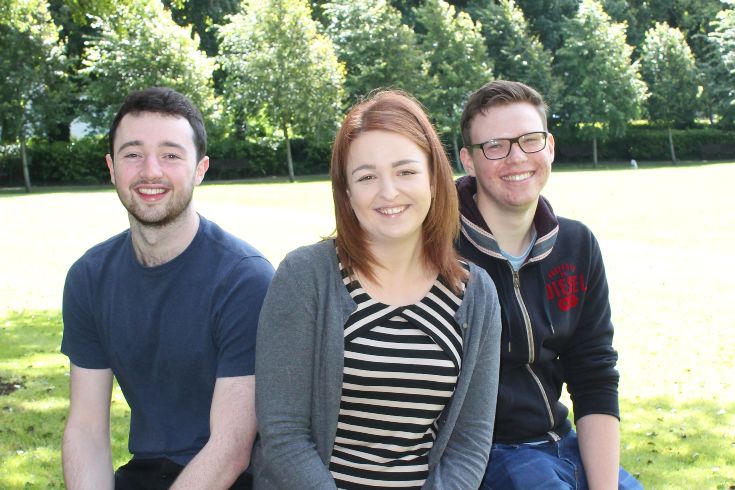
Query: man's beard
[(172, 211)]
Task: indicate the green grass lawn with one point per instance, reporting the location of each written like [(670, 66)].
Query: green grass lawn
[(666, 234)]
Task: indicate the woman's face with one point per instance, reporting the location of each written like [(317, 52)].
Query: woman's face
[(389, 186)]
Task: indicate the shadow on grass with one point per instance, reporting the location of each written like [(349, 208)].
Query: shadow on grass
[(32, 416), (671, 443)]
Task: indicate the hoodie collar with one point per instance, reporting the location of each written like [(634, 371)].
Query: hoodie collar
[(478, 233)]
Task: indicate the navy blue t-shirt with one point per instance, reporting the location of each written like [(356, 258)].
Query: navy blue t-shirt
[(167, 332)]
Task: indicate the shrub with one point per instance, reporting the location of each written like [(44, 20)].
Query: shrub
[(645, 143)]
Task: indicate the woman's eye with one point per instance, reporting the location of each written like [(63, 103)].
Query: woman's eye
[(365, 178)]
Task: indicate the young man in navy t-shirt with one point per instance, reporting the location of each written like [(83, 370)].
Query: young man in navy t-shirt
[(170, 309)]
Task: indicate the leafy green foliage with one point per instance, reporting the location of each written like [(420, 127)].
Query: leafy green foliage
[(517, 52), (140, 46), (723, 38), (647, 144), (377, 48), (547, 18), (277, 63), (668, 68), (458, 63), (203, 17), (33, 63), (603, 89)]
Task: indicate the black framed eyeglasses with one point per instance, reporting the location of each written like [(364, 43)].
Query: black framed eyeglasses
[(498, 148)]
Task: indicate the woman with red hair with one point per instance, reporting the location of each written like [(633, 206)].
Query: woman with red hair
[(377, 350)]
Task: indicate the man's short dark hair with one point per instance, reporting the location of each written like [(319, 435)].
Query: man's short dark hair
[(163, 101), (497, 93)]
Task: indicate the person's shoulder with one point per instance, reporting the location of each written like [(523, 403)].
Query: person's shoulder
[(317, 256), (568, 226), (103, 250), (226, 243), (480, 280)]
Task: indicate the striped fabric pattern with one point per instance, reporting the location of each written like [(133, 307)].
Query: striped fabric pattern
[(401, 368)]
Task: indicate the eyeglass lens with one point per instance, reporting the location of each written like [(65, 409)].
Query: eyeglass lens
[(500, 148)]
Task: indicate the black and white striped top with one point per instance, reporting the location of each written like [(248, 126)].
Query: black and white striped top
[(401, 368)]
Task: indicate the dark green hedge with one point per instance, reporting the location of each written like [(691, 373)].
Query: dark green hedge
[(82, 161), (647, 144)]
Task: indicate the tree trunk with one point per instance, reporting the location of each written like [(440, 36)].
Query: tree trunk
[(457, 161), (24, 154), (291, 177), (594, 150), (671, 147)]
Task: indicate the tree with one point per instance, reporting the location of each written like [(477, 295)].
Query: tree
[(140, 46), (203, 17), (376, 48), (603, 89), (668, 68), (33, 64), (723, 40), (277, 64), (458, 63), (517, 53), (547, 18)]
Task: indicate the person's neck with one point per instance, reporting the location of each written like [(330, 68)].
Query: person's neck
[(156, 245), (402, 277), (512, 228)]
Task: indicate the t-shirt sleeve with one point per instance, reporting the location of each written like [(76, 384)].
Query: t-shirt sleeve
[(237, 310), (81, 342)]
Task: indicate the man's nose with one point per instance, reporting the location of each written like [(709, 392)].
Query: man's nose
[(151, 167), (516, 154)]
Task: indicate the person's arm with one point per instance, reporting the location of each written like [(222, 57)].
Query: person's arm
[(284, 369), (592, 379), (465, 457), (86, 453), (599, 446), (232, 432)]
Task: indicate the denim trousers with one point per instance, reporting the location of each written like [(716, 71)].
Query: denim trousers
[(552, 465)]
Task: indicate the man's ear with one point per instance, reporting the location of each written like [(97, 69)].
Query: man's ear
[(469, 165), (551, 144), (110, 167), (201, 169)]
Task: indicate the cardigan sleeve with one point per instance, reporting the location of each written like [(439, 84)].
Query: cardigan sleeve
[(284, 370), (463, 462)]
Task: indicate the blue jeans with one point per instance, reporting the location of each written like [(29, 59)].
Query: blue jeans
[(545, 466)]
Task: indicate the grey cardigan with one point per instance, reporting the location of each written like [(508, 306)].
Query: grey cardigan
[(299, 364)]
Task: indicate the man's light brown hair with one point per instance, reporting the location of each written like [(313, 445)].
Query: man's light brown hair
[(497, 93)]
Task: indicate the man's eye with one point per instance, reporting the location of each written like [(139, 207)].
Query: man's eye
[(131, 155), (170, 156)]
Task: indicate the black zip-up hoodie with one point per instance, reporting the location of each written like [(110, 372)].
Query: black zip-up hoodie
[(556, 323)]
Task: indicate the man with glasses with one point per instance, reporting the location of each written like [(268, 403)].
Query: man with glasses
[(554, 297)]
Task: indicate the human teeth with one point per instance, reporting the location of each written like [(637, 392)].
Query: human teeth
[(151, 192), (516, 177), (391, 210)]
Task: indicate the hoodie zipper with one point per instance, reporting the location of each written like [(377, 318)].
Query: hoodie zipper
[(529, 335), (524, 311)]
